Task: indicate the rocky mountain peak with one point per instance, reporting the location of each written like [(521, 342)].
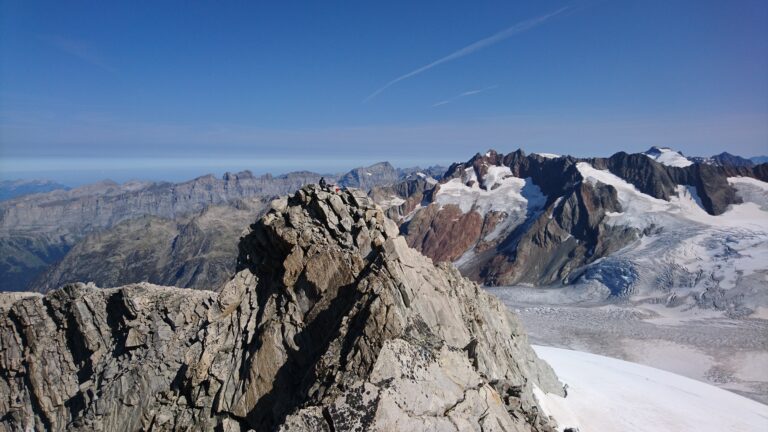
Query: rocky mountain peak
[(245, 174), (331, 323)]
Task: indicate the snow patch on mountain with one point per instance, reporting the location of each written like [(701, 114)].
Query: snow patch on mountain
[(428, 179), (498, 191), (751, 190), (607, 395), (549, 155), (667, 156)]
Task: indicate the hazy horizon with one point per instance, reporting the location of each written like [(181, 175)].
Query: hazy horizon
[(79, 171)]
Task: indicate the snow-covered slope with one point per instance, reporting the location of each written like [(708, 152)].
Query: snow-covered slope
[(610, 395), (667, 156), (689, 256)]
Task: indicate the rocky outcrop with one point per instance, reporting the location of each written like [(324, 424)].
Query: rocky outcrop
[(332, 323)]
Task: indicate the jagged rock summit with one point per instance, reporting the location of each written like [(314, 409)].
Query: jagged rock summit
[(332, 323)]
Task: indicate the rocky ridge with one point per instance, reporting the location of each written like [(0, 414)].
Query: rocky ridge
[(331, 323)]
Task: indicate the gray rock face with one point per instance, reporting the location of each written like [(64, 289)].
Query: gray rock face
[(331, 323)]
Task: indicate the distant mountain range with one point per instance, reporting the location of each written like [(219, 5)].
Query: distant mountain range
[(37, 230), (10, 189)]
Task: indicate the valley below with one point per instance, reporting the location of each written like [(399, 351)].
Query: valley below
[(702, 344)]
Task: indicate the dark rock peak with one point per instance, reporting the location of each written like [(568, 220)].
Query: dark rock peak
[(381, 166), (207, 178), (658, 150), (726, 158)]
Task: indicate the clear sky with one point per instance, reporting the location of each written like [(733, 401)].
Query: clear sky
[(164, 89)]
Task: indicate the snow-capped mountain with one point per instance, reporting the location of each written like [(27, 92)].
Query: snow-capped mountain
[(667, 156), (653, 224)]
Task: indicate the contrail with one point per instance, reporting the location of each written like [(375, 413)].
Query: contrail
[(469, 49), (464, 94)]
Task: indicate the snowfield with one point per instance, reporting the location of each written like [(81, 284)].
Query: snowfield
[(689, 252), (667, 156), (610, 395)]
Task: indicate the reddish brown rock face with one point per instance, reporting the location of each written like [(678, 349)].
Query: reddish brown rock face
[(492, 219), (444, 234)]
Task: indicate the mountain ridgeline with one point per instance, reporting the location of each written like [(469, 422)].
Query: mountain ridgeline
[(37, 231)]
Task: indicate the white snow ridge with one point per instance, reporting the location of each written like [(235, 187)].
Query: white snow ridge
[(549, 155)]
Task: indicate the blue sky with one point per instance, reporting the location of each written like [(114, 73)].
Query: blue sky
[(175, 89)]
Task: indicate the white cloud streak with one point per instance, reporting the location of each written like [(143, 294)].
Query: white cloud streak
[(464, 94), (78, 48), (471, 48)]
